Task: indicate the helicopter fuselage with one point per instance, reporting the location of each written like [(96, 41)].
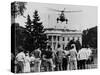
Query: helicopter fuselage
[(62, 17)]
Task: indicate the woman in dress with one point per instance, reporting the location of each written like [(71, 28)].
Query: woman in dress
[(32, 63), (27, 63)]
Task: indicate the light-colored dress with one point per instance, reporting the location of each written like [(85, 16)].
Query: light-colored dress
[(32, 63), (27, 64), (20, 58)]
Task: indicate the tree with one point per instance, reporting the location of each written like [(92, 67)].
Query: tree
[(89, 37), (28, 24), (17, 8), (84, 38), (38, 32), (37, 38), (29, 42), (18, 36), (92, 37), (78, 45), (70, 43)]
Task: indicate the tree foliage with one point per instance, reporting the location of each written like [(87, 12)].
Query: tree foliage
[(18, 36), (77, 44), (29, 38), (89, 37), (17, 8), (37, 38)]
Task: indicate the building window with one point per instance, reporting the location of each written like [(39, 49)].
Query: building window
[(58, 45), (63, 39), (58, 38), (63, 47), (50, 37), (54, 37)]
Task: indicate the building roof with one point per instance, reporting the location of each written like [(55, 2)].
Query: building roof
[(61, 31)]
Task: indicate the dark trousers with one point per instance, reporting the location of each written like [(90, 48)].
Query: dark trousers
[(12, 66), (78, 64), (20, 66), (81, 64), (65, 63), (59, 66)]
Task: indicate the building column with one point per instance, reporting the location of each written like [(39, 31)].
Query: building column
[(66, 41), (80, 39), (52, 43), (56, 42)]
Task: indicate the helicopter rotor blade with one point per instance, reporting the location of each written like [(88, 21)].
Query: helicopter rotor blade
[(63, 10), (54, 10), (72, 11)]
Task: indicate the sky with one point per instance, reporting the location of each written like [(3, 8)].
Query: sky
[(87, 18)]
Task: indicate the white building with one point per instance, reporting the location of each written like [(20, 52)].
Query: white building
[(62, 37)]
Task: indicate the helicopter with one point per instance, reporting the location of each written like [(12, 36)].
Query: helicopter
[(62, 17)]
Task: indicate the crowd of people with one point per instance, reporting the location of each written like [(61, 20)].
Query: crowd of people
[(52, 60)]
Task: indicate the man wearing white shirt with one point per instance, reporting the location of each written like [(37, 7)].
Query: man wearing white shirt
[(82, 57)]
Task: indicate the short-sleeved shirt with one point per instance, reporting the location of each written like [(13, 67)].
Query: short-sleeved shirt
[(73, 54), (20, 56), (37, 53), (60, 52)]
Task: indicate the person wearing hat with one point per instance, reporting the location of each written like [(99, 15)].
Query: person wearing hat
[(82, 57)]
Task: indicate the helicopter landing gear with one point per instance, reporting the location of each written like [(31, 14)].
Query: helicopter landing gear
[(62, 20)]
